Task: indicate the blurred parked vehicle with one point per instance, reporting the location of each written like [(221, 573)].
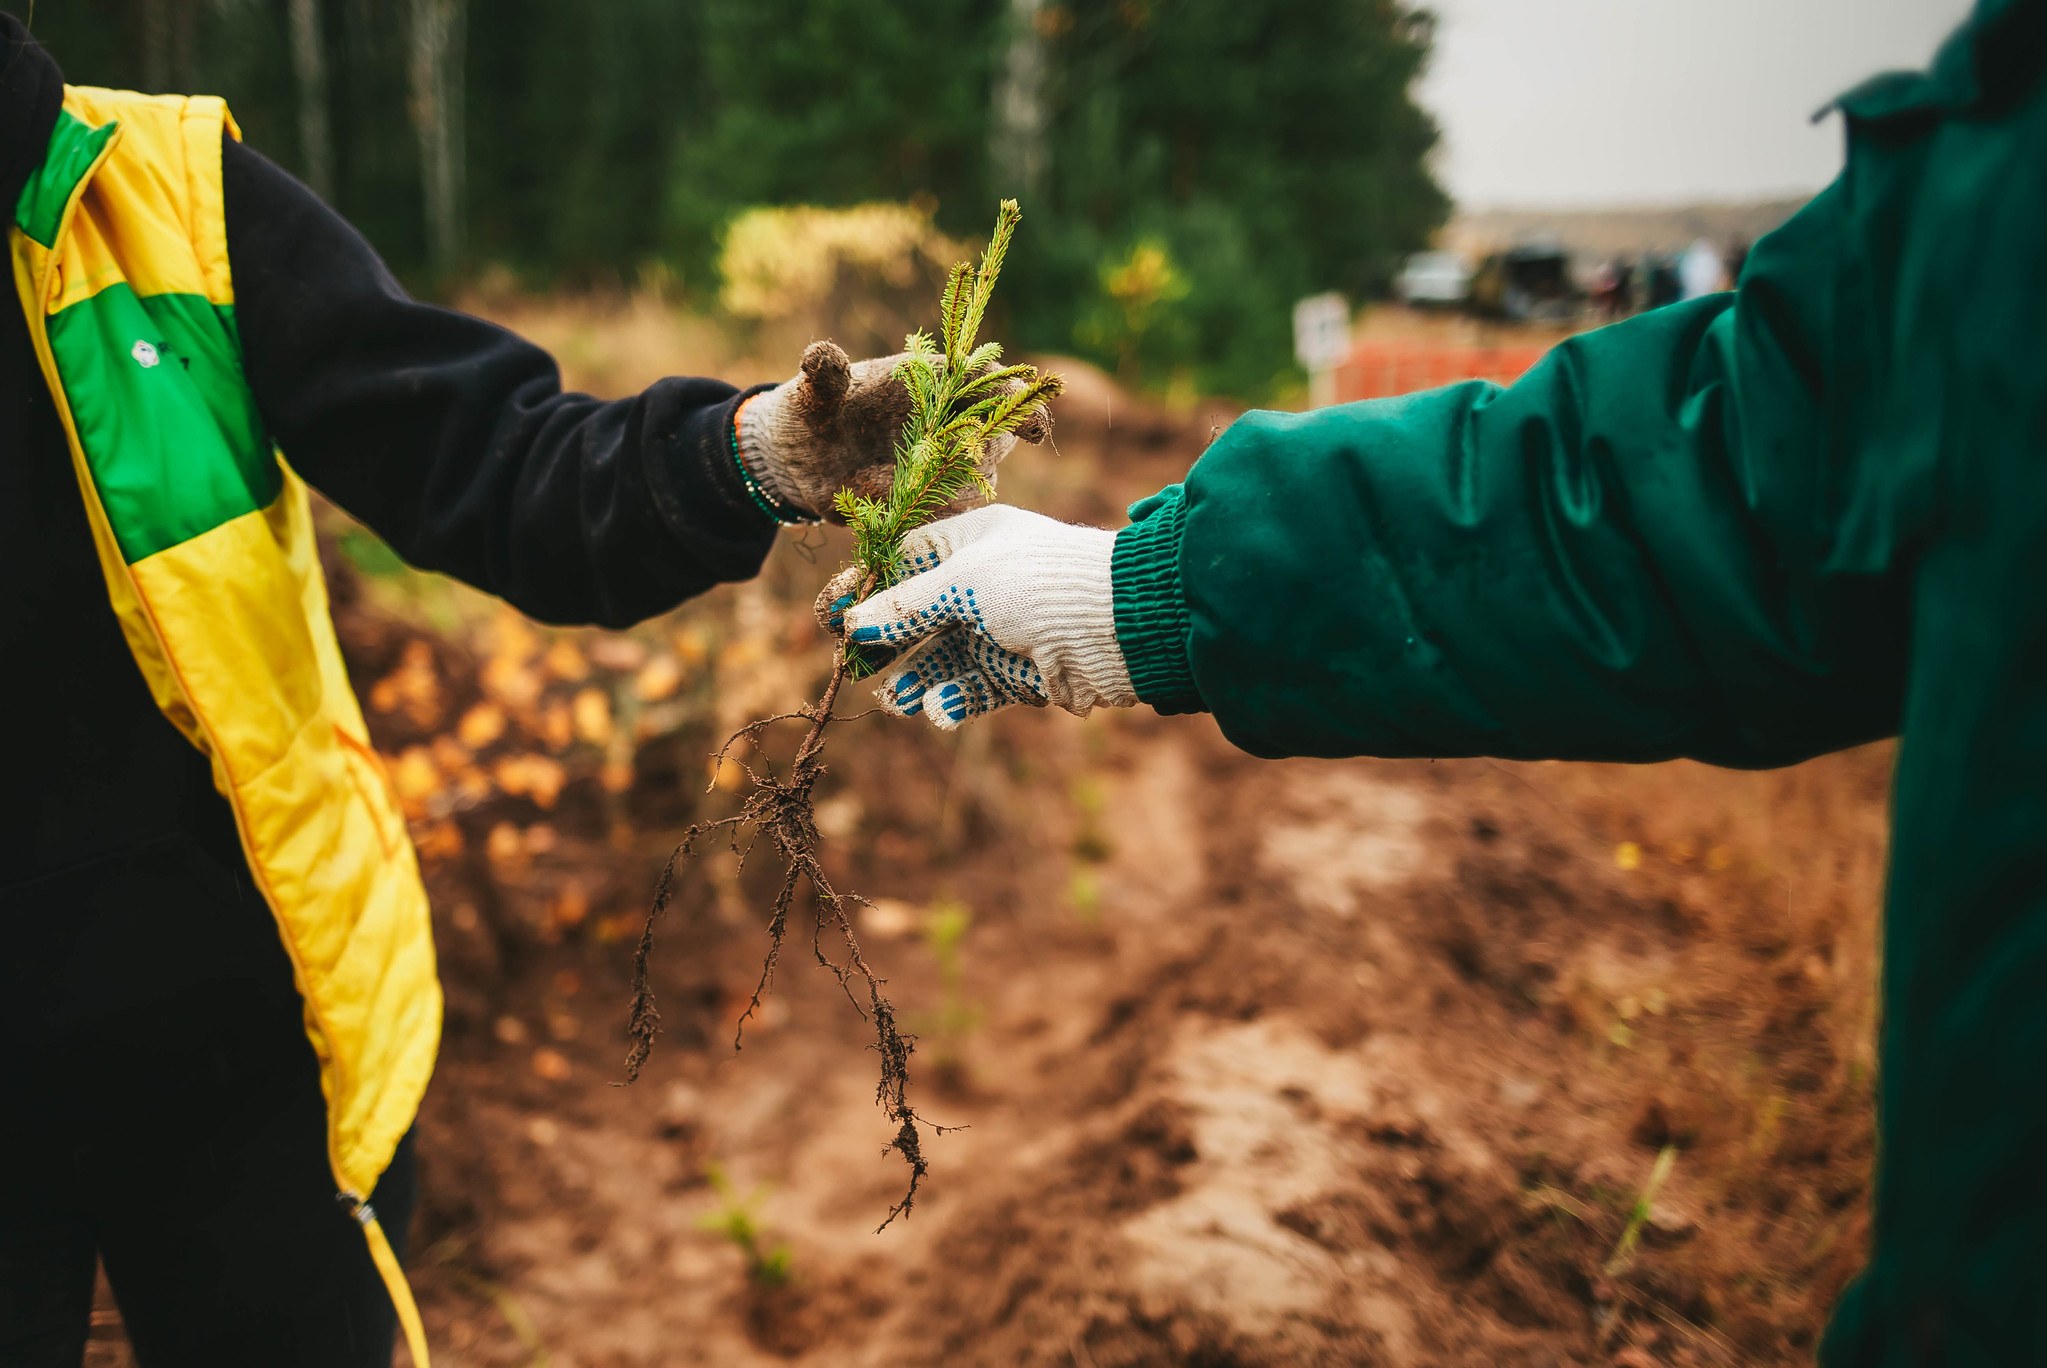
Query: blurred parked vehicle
[(1529, 282), (1434, 280)]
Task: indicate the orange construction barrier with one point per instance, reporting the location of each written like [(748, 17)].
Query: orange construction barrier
[(1380, 369)]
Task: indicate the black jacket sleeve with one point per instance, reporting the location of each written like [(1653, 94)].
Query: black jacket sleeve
[(452, 439)]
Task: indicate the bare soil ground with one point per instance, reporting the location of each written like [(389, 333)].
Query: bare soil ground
[(1298, 1063), (1260, 1063)]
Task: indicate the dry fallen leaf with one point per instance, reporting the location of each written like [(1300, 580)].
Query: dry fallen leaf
[(417, 776), (481, 725), (693, 643), (474, 786), (591, 712), (441, 841), (556, 727), (658, 678), (506, 844), (570, 907), (511, 682), (565, 662), (531, 776), (618, 653), (451, 755), (414, 686), (512, 636)]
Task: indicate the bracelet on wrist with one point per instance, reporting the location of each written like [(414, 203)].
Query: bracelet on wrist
[(775, 508)]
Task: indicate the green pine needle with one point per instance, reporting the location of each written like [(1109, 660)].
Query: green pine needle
[(961, 399)]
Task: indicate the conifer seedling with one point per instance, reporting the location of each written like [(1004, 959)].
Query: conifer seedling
[(962, 400)]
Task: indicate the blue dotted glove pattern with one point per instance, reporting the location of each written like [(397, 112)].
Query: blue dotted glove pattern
[(995, 606), (959, 674)]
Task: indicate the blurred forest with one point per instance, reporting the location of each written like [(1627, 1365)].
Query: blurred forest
[(1189, 167)]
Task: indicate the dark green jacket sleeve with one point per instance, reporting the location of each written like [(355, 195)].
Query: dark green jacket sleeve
[(1668, 539)]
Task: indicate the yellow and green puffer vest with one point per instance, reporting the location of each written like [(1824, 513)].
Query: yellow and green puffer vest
[(119, 246)]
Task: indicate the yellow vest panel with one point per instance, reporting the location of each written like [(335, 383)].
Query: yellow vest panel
[(119, 246)]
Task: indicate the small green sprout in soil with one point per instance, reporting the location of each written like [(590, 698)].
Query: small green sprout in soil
[(1090, 843), (735, 1221), (1084, 891), (1638, 1214), (945, 927), (962, 403)]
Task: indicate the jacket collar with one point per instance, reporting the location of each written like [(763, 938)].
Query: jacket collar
[(31, 96), (1987, 65)]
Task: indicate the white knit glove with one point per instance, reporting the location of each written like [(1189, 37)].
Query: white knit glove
[(1006, 607)]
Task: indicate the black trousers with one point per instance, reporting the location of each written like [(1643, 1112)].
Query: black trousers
[(184, 1145)]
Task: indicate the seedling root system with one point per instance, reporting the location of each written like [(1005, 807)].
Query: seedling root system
[(962, 401)]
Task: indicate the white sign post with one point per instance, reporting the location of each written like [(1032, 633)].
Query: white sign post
[(1321, 342)]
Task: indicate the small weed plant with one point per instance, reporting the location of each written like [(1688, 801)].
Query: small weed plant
[(734, 1220), (957, 1016), (1638, 1213)]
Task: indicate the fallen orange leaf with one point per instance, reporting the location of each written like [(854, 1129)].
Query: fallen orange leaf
[(565, 662), (416, 775), (510, 682), (693, 644), (481, 725), (659, 678), (571, 906), (591, 713), (513, 636), (413, 685), (619, 653), (531, 776), (451, 755), (506, 844), (557, 729), (441, 841)]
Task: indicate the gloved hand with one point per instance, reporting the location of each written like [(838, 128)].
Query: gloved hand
[(1006, 607), (832, 426)]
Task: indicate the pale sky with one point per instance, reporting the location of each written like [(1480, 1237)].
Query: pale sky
[(1611, 103)]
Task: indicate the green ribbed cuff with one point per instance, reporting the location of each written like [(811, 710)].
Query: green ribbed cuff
[(1151, 609)]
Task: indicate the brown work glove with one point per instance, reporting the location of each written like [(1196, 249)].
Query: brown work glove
[(834, 426)]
